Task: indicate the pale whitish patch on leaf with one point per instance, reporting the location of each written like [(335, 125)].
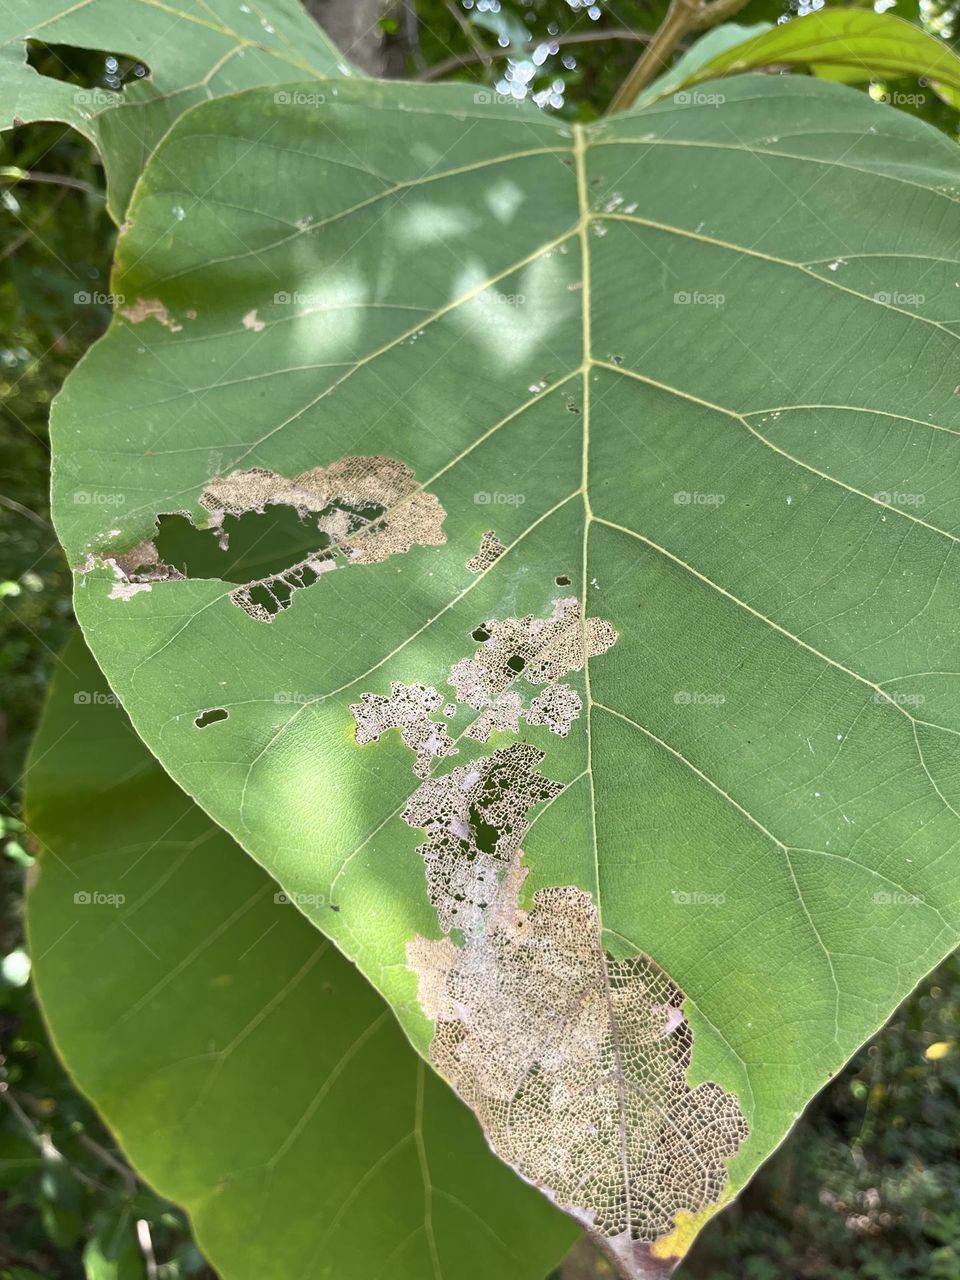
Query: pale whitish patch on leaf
[(475, 819), (432, 962), (541, 649), (491, 549), (552, 645), (576, 1066), (150, 309), (342, 495), (365, 510), (556, 706), (409, 708), (142, 563), (251, 322), (122, 590), (368, 509), (575, 1063), (502, 713), (135, 571)]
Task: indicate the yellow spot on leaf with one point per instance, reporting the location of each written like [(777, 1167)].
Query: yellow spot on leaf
[(686, 1228)]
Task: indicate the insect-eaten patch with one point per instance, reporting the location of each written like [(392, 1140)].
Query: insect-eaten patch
[(514, 653), (272, 536), (491, 549), (576, 1063)]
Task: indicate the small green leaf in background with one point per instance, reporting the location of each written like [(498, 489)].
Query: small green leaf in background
[(112, 1251), (248, 1070), (849, 45), (692, 65)]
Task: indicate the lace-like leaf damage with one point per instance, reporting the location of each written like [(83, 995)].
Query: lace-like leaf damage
[(576, 1063), (491, 549), (366, 509)]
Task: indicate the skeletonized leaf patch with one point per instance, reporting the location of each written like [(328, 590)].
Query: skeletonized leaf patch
[(364, 510), (575, 1062)]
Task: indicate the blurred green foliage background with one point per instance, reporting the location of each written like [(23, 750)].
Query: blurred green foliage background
[(868, 1184)]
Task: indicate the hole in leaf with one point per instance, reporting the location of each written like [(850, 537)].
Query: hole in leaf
[(480, 634), (357, 511), (211, 716), (258, 544), (485, 835), (272, 535), (562, 581), (85, 68)]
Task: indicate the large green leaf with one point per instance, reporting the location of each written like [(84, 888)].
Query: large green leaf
[(247, 1068), (193, 51), (690, 367)]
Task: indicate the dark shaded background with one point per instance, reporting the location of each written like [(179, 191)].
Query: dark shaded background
[(868, 1184)]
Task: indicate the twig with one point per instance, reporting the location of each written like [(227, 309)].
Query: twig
[(43, 1142), (51, 179), (411, 33), (683, 17), (24, 511), (127, 1174), (482, 53), (440, 69), (18, 241)]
